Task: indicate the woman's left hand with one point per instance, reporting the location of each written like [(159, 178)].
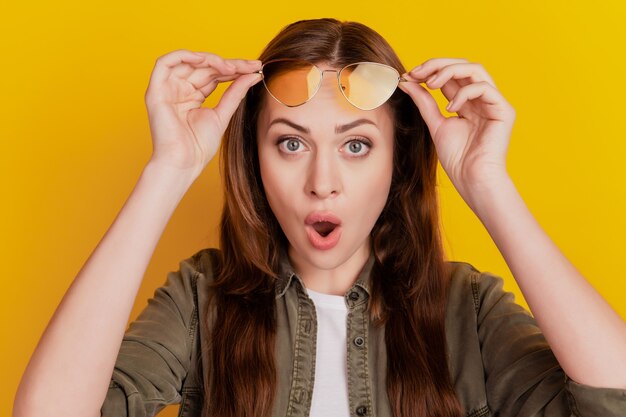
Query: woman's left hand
[(471, 146)]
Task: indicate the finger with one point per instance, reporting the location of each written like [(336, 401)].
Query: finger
[(432, 65), (495, 105), (182, 61), (242, 66), (449, 89), (245, 66), (464, 73), (212, 64), (233, 96), (426, 104), (207, 88), (216, 61), (176, 57), (201, 77), (164, 63), (208, 76)]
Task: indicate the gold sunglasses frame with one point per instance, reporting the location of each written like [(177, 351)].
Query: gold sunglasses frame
[(319, 84)]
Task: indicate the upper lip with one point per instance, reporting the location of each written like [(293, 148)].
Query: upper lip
[(322, 216)]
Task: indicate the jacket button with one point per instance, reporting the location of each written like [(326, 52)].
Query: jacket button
[(361, 410), (359, 341), (354, 295)]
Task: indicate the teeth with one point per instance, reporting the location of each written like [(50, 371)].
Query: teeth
[(324, 228)]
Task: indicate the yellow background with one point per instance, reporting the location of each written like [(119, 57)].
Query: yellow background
[(74, 131)]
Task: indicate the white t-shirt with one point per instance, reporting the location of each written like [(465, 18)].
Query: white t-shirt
[(330, 389)]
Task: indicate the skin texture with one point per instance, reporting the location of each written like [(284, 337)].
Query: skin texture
[(322, 170)]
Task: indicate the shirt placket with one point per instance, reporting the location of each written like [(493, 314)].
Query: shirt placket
[(305, 345), (359, 389), (303, 376)]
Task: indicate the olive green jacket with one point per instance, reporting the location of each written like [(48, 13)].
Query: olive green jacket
[(499, 361)]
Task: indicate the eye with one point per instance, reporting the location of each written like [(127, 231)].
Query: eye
[(290, 145), (358, 147)]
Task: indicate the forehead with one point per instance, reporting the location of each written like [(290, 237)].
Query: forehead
[(327, 107), (324, 116)]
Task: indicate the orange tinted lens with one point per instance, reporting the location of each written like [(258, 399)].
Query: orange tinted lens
[(291, 82), (367, 85)]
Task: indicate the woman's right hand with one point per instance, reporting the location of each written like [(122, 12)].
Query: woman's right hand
[(185, 135)]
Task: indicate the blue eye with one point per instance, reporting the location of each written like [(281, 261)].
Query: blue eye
[(355, 147), (358, 147), (290, 145), (293, 145)]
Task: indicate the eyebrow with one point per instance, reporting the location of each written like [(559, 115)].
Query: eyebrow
[(338, 128)]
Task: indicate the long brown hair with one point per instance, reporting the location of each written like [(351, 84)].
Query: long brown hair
[(409, 277)]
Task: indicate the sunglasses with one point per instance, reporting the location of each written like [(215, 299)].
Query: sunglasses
[(293, 82)]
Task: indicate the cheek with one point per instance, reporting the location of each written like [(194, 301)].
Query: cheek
[(375, 185), (376, 192), (276, 183)]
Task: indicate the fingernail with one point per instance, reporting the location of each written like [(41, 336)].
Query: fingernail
[(450, 104), (431, 79), (416, 69)]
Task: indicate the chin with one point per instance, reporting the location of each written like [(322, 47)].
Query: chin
[(325, 259)]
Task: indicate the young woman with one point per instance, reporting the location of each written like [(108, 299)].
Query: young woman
[(330, 295)]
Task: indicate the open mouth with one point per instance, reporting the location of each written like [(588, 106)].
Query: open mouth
[(324, 228)]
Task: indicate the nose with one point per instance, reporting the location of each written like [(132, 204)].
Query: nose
[(323, 179)]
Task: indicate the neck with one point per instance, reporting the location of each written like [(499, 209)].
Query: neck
[(335, 280)]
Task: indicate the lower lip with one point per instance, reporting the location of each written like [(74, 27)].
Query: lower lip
[(323, 242)]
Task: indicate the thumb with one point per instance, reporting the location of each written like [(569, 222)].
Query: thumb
[(233, 95), (426, 104)]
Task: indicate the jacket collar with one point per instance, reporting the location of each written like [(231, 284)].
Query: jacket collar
[(287, 275)]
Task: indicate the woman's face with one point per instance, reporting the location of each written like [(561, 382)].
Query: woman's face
[(326, 168)]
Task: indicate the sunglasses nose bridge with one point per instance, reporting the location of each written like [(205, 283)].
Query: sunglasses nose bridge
[(367, 93), (341, 87), (328, 70)]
